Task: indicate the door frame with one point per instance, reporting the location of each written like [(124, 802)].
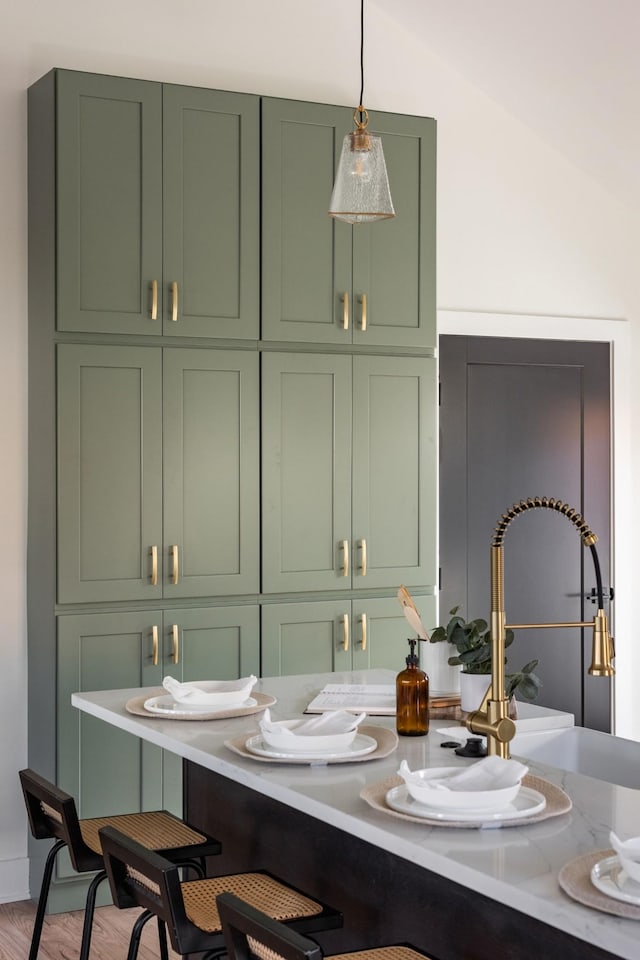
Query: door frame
[(626, 718)]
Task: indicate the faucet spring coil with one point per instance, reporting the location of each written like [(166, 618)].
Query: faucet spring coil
[(550, 503)]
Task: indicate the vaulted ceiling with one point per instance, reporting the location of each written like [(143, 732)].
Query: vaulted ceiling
[(570, 69)]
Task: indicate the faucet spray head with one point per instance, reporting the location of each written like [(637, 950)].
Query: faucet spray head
[(602, 650)]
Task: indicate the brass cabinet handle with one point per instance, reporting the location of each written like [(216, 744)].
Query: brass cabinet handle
[(363, 315), (345, 311), (363, 557), (154, 645), (344, 546), (154, 299), (175, 566), (175, 653), (154, 566), (363, 637), (174, 301), (345, 632)]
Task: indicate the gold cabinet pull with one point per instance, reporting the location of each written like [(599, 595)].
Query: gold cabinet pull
[(345, 632), (175, 653), (154, 566), (175, 566), (363, 315), (344, 546), (345, 311), (363, 635), (363, 557), (174, 301), (154, 645), (154, 299)]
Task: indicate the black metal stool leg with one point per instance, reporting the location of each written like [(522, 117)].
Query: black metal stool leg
[(42, 899), (136, 933), (162, 938), (89, 910)]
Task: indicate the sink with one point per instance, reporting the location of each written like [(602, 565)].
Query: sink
[(579, 750)]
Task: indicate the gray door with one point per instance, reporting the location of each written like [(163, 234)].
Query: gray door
[(523, 418)]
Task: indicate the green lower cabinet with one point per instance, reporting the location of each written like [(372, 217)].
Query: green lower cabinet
[(327, 635)]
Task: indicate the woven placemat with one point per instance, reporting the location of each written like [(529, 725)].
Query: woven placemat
[(136, 705), (386, 739), (575, 880), (557, 802)]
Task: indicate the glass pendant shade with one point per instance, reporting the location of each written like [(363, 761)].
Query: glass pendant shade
[(361, 191)]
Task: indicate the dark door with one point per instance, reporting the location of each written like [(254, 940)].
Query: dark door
[(518, 419)]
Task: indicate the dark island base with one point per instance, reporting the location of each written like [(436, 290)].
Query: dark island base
[(384, 898)]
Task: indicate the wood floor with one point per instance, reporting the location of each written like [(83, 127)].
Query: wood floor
[(62, 932)]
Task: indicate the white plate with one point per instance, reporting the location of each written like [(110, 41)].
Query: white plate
[(609, 877), (526, 804), (168, 707), (359, 748)]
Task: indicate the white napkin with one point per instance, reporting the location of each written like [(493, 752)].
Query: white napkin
[(491, 773), (183, 691), (326, 724)]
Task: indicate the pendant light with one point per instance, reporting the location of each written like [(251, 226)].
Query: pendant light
[(361, 192)]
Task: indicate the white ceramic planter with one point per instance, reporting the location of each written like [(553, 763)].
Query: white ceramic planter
[(473, 687)]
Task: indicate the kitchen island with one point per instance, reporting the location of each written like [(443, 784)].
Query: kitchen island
[(476, 894)]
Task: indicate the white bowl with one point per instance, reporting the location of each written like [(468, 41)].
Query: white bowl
[(216, 693), (307, 743), (478, 800)]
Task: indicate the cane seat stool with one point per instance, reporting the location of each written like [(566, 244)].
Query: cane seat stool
[(141, 877), (52, 815), (251, 934)]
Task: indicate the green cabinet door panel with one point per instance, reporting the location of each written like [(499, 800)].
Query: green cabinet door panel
[(306, 471), (211, 168), (106, 770), (213, 643), (394, 260), (306, 255), (308, 637), (109, 202), (394, 471), (109, 472), (380, 632), (211, 472)]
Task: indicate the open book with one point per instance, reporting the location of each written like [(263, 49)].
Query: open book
[(378, 699)]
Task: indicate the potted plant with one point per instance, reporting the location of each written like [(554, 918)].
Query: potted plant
[(472, 640)]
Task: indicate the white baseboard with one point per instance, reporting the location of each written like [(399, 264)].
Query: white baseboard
[(14, 880)]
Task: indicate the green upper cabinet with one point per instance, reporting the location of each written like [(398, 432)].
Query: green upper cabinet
[(349, 472), (211, 472), (157, 208), (324, 280)]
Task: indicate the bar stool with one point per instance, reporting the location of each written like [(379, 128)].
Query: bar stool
[(250, 933), (140, 877), (52, 815)]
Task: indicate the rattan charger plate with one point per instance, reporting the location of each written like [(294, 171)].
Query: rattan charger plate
[(136, 706), (558, 802), (575, 880), (386, 739)]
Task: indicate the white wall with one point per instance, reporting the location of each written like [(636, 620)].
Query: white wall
[(520, 230)]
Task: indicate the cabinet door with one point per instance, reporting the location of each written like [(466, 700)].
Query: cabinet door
[(109, 193), (310, 637), (306, 255), (211, 472), (210, 643), (394, 261), (211, 213), (109, 473), (306, 472), (107, 770), (394, 471), (380, 632)]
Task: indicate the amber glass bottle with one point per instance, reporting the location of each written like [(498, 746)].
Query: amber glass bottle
[(412, 698)]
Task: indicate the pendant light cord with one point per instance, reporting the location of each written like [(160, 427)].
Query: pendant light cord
[(360, 101)]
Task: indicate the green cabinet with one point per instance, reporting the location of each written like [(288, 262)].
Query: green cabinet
[(158, 208), (349, 472), (157, 473), (327, 281), (327, 635)]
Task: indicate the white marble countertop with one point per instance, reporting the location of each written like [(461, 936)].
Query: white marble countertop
[(517, 866)]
